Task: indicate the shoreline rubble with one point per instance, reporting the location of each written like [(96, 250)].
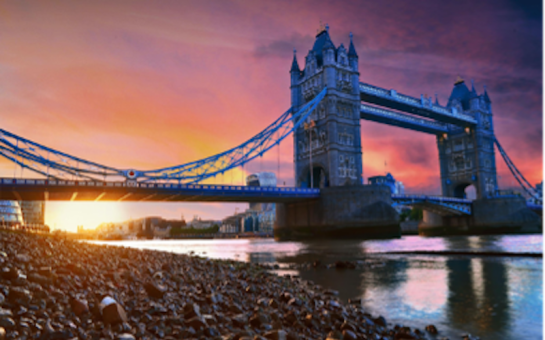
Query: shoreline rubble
[(53, 288)]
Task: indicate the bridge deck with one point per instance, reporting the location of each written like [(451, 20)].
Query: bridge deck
[(421, 107), (51, 190)]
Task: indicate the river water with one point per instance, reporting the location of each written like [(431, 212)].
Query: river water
[(492, 297)]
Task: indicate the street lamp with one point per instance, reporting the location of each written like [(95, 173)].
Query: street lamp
[(309, 127)]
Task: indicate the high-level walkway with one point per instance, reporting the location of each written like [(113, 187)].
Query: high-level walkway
[(423, 107)]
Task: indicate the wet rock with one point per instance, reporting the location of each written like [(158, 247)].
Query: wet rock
[(405, 336), (380, 321), (431, 329), (114, 314), (331, 292), (19, 294), (22, 258), (335, 335), (211, 332), (45, 271), (155, 290), (64, 334), (276, 335), (39, 279), (349, 335), (125, 336), (239, 320), (348, 326), (334, 304), (258, 320), (7, 322), (192, 310), (196, 322), (10, 273), (79, 307), (273, 303)]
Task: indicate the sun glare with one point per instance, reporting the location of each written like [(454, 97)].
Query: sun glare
[(69, 215)]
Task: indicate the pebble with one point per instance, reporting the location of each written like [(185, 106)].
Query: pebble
[(52, 288)]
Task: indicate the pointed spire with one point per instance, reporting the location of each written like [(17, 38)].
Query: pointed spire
[(328, 43), (352, 49), (294, 64), (473, 93), (436, 100), (486, 97)]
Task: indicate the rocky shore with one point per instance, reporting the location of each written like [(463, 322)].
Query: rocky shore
[(60, 289)]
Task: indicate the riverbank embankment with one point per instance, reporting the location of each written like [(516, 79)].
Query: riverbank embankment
[(53, 288)]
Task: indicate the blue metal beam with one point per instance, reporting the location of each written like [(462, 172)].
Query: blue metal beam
[(389, 117), (61, 190), (421, 107), (442, 205), (54, 164)]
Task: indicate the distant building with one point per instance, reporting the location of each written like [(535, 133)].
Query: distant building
[(539, 191), (33, 212), (232, 224), (10, 214), (259, 217), (197, 223), (396, 187)]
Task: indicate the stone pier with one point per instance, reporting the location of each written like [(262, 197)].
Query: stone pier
[(363, 211), (495, 215)]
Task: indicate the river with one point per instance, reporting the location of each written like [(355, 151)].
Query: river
[(492, 297)]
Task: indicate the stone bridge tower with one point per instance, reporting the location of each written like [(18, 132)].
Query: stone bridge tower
[(335, 140), (466, 155)]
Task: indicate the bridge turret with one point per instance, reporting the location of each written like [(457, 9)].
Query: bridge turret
[(352, 55), (474, 100), (466, 154), (334, 139), (295, 73), (487, 100)]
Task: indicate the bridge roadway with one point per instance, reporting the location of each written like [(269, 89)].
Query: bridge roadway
[(57, 190)]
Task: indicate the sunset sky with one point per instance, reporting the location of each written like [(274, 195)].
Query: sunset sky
[(148, 84)]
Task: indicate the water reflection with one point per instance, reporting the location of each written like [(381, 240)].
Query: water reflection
[(492, 297), (478, 291), (347, 282)]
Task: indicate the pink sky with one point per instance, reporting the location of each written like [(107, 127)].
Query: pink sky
[(137, 84)]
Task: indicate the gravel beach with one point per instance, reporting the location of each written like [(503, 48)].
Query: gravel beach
[(61, 289)]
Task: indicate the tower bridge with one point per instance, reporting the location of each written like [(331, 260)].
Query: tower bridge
[(328, 104)]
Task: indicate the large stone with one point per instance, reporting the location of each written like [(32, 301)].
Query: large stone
[(192, 310), (155, 290), (114, 314), (79, 307), (33, 277), (19, 294), (196, 322)]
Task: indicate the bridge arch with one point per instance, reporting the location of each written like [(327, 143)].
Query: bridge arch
[(460, 189), (320, 176)]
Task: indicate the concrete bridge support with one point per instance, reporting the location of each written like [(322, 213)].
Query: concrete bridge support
[(363, 211), (495, 215)]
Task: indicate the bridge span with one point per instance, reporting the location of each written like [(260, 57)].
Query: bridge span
[(125, 191), (62, 190)]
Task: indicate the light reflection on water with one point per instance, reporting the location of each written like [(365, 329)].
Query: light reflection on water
[(492, 297)]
